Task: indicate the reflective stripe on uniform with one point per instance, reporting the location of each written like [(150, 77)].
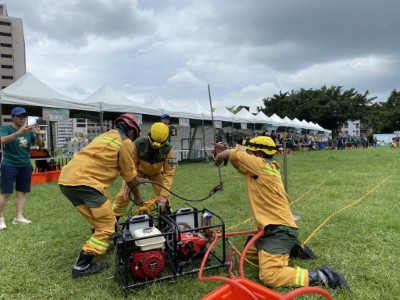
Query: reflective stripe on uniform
[(118, 209), (98, 244), (112, 141), (271, 171), (300, 276)]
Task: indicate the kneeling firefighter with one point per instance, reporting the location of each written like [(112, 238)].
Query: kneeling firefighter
[(154, 159), (270, 205), (85, 179)]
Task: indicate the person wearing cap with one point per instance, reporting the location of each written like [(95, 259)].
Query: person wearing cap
[(85, 179), (154, 159), (16, 167), (165, 118), (270, 205)]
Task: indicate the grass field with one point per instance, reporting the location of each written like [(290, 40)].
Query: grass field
[(348, 202)]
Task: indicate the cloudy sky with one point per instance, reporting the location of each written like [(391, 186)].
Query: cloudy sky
[(246, 50)]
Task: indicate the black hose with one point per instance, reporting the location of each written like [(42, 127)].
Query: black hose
[(217, 188)]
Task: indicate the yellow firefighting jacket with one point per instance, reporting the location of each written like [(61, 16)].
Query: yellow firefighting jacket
[(150, 162), (266, 194), (101, 162)]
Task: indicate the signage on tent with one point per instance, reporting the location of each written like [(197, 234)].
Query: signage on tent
[(55, 114), (184, 122)]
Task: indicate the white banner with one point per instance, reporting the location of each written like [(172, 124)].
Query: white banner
[(55, 114), (269, 127), (184, 122)]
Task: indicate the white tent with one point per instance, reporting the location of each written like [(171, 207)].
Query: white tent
[(263, 118), (288, 122), (277, 121), (164, 107), (107, 99), (314, 126), (297, 123), (307, 125), (29, 90), (322, 129), (221, 113), (244, 116), (196, 111), (192, 110)]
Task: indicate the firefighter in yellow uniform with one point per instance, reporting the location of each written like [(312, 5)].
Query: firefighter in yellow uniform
[(270, 205), (154, 159), (85, 179)]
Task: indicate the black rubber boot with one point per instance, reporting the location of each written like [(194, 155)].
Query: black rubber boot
[(85, 267), (326, 276)]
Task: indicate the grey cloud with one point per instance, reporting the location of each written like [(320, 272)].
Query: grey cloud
[(243, 49), (76, 21), (316, 30)]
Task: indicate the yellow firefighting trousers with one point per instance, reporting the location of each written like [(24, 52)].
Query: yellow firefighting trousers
[(102, 220), (274, 270)]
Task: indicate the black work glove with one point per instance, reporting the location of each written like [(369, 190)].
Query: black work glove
[(302, 251)]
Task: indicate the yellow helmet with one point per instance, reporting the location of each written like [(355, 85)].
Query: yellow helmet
[(262, 143), (158, 135)]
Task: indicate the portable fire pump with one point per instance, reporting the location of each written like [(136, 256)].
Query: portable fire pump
[(156, 248)]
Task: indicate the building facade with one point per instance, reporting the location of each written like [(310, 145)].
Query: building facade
[(351, 128), (12, 48)]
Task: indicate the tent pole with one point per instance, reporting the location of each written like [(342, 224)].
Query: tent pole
[(51, 123), (285, 163), (232, 140), (101, 118), (204, 140)]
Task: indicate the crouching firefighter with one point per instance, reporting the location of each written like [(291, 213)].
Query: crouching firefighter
[(270, 205), (154, 159), (85, 179)]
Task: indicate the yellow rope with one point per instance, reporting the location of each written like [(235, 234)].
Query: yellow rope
[(234, 226), (346, 207), (306, 193), (240, 254), (309, 191)]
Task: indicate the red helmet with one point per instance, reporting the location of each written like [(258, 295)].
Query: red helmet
[(128, 121)]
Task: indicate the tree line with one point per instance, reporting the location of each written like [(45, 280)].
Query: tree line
[(332, 107)]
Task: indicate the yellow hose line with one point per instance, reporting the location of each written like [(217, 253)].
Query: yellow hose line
[(306, 193), (234, 226), (343, 208), (309, 191), (240, 254)]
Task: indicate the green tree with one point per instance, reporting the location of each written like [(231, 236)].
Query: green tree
[(391, 112), (329, 107)]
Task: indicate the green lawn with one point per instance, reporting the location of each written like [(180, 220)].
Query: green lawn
[(353, 194)]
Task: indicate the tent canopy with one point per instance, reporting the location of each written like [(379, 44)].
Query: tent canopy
[(221, 113), (29, 90), (107, 99)]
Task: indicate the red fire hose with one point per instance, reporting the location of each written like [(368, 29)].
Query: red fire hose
[(287, 296)]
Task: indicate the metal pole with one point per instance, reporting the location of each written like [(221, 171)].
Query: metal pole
[(101, 118), (205, 157), (51, 123), (285, 163), (213, 126)]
